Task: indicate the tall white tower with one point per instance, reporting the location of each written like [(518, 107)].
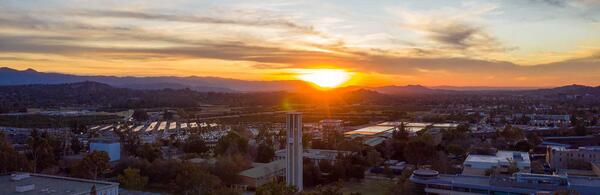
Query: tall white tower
[(294, 150)]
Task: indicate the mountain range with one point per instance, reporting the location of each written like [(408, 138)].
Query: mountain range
[(11, 77)]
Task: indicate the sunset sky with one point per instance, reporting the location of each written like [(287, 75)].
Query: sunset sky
[(460, 43)]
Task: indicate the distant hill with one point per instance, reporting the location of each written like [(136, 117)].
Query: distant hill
[(408, 89), (16, 77), (10, 76), (568, 90), (92, 94)]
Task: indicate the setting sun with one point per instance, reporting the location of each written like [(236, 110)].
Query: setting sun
[(327, 78)]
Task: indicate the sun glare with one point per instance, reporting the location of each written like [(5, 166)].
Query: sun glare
[(326, 78)]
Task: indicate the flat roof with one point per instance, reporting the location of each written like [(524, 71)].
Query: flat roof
[(371, 130), (501, 156), (583, 185), (50, 184)]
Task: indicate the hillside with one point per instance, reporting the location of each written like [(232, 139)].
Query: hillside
[(16, 77)]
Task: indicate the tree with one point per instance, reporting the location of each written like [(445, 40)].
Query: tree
[(512, 133), (11, 160), (149, 152), (40, 151), (325, 166), (418, 152), (227, 168), (512, 166), (232, 143), (522, 146), (275, 188), (131, 179), (405, 186), (92, 165), (77, 127), (195, 144), (76, 145), (374, 157), (265, 153), (191, 179), (140, 115), (580, 129), (311, 174), (327, 190), (131, 140), (455, 149), (388, 172)]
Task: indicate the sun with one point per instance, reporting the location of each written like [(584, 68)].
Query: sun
[(325, 78)]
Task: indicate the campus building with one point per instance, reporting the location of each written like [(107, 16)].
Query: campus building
[(110, 146), (315, 155), (263, 173), (331, 124), (563, 158), (477, 164), (431, 182), (29, 184)]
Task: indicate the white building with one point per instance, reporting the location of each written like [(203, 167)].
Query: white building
[(112, 147), (29, 183), (478, 164)]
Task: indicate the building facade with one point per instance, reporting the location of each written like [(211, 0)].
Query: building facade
[(431, 182), (478, 164), (112, 147), (29, 183), (263, 173), (562, 158)]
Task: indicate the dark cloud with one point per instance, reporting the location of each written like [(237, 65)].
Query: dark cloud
[(463, 36), (559, 3), (249, 20)]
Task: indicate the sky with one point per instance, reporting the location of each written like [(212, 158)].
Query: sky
[(525, 43)]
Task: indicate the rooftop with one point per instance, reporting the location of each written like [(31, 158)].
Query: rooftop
[(264, 169), (49, 184), (371, 130), (500, 157), (583, 185)]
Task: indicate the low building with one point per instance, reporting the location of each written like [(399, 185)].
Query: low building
[(29, 183), (431, 182), (331, 124), (110, 146), (563, 158), (315, 155), (476, 164), (576, 141), (263, 173)]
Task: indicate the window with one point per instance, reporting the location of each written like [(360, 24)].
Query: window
[(499, 193), (459, 189), (443, 187), (479, 191)]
